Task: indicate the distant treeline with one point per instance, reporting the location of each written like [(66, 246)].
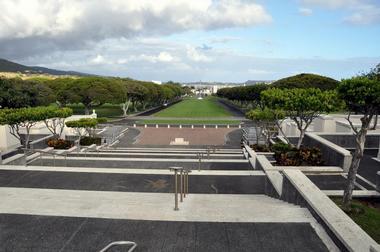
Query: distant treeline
[(132, 95), (249, 96)]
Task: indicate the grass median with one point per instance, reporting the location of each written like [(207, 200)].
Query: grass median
[(208, 107), (190, 122)]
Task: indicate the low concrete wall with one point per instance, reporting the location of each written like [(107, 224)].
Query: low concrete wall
[(348, 140), (333, 154), (273, 187), (40, 143), (18, 159), (347, 235)]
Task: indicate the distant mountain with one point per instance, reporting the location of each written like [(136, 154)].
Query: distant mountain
[(9, 66), (254, 82)]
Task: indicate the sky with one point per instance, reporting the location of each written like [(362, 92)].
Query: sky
[(194, 40)]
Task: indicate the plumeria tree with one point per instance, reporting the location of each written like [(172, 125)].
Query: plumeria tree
[(362, 96), (301, 105), (267, 122), (85, 126), (23, 118), (55, 120)]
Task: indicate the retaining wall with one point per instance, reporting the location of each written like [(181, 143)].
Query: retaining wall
[(347, 235)]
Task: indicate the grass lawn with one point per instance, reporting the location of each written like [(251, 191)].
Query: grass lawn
[(190, 122), (366, 215), (194, 108)]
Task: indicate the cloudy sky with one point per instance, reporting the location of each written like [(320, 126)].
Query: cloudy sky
[(192, 40)]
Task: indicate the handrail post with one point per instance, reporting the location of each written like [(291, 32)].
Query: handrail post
[(199, 161), (175, 169), (186, 183), (181, 185)]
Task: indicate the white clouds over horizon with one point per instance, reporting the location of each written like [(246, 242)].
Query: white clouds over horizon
[(362, 12), (70, 24)]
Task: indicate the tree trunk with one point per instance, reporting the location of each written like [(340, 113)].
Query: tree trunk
[(356, 158), (27, 137), (300, 139), (258, 134), (125, 107)]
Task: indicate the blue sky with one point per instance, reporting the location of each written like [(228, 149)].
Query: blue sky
[(208, 40)]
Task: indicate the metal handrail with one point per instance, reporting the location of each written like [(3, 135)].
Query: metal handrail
[(120, 243), (183, 174)]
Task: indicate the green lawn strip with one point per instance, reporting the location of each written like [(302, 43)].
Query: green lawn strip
[(189, 122), (366, 216), (194, 108)]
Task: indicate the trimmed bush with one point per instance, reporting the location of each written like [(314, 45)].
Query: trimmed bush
[(287, 155), (85, 141), (60, 144), (260, 148)]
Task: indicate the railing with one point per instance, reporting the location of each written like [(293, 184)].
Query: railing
[(28, 152), (120, 243), (183, 175), (200, 157)]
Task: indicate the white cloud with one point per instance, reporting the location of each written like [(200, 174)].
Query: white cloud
[(194, 55), (165, 57), (222, 40), (305, 11), (99, 59), (46, 25), (362, 12)]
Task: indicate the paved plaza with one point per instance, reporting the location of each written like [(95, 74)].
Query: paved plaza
[(197, 136)]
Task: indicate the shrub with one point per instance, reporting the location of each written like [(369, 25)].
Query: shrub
[(60, 144), (260, 148), (85, 141), (282, 147), (287, 155)]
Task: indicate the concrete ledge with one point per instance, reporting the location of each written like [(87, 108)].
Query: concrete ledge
[(274, 176), (345, 230), (32, 157), (355, 194), (311, 169), (40, 143), (332, 153), (18, 159)]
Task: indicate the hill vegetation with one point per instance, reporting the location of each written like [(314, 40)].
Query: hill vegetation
[(307, 81), (7, 67)]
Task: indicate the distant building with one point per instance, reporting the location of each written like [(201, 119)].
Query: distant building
[(157, 82)]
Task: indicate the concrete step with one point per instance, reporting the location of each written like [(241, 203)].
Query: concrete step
[(150, 206), (146, 163)]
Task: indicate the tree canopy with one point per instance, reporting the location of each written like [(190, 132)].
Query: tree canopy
[(361, 95), (306, 81), (18, 93), (301, 105)]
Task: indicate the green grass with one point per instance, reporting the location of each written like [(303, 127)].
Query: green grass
[(189, 122), (366, 216), (194, 108)]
